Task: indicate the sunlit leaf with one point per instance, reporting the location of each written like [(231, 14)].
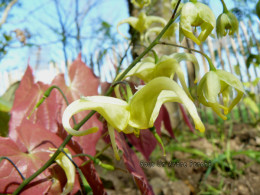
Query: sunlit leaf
[(26, 97), (82, 82)]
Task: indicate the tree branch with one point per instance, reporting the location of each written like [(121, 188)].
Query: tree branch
[(6, 12)]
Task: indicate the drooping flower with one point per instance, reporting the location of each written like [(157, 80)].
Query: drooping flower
[(226, 23), (65, 163), (195, 14), (219, 82), (166, 66), (139, 113), (141, 3), (170, 32), (141, 23)]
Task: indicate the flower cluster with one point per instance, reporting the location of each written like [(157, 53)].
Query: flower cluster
[(167, 65), (139, 111)]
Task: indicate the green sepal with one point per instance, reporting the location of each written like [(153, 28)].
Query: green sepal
[(158, 138)]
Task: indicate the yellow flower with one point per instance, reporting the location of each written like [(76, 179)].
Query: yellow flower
[(69, 169), (219, 82), (141, 3), (139, 113), (166, 66), (142, 23), (194, 15), (170, 33)]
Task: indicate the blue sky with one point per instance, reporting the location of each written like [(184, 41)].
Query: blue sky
[(35, 15)]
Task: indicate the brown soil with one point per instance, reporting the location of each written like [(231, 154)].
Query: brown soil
[(178, 179)]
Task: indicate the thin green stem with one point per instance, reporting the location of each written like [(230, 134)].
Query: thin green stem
[(110, 90), (45, 166), (154, 53), (96, 161), (225, 10), (155, 42), (96, 156), (211, 66), (158, 138), (45, 95), (129, 92)]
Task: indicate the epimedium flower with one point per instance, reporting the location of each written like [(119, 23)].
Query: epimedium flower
[(141, 3), (139, 113), (170, 32), (227, 23), (65, 163), (141, 23), (166, 66), (195, 14), (216, 82)]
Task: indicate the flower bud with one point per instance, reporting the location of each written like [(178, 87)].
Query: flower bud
[(227, 22), (142, 23)]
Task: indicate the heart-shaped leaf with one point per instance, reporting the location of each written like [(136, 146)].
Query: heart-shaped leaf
[(82, 82)]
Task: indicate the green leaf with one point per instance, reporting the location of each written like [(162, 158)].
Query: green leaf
[(9, 94), (5, 106), (4, 119)]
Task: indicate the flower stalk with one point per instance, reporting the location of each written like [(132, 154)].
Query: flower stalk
[(211, 66), (110, 90)]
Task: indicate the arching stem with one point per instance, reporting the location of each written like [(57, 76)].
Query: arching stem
[(225, 10), (211, 66), (110, 90)]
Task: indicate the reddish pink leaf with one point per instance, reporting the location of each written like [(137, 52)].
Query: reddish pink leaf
[(163, 117), (29, 158), (133, 165), (186, 118), (26, 97), (44, 118), (82, 83), (36, 142), (145, 144)]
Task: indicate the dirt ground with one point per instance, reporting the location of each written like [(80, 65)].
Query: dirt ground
[(238, 175)]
